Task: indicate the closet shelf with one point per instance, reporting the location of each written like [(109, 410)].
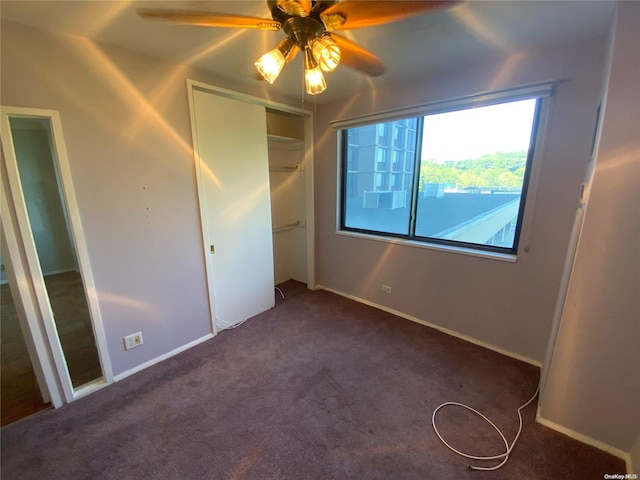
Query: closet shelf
[(285, 168), (283, 139)]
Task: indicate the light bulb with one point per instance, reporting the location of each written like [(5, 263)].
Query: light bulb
[(270, 64), (313, 78), (326, 53)]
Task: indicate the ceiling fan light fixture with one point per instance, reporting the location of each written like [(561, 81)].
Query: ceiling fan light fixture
[(326, 53), (313, 78), (271, 63), (308, 25), (314, 81), (288, 48)]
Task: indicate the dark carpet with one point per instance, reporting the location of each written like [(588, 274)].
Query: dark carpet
[(319, 387)]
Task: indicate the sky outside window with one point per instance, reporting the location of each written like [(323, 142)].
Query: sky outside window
[(467, 134)]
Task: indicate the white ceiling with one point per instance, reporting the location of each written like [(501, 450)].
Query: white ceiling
[(428, 44)]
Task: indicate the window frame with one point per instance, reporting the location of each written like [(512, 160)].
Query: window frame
[(540, 92)]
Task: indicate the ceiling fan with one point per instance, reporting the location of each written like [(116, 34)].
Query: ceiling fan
[(310, 26)]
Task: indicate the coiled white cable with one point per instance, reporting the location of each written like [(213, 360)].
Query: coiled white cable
[(509, 448)]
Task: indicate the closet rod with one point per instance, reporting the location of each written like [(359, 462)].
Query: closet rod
[(284, 168)]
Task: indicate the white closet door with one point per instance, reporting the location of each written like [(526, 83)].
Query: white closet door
[(231, 146)]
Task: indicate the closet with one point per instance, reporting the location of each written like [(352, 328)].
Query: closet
[(288, 175), (255, 188)]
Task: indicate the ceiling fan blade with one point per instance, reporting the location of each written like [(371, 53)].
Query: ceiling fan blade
[(208, 19), (367, 13), (354, 56)]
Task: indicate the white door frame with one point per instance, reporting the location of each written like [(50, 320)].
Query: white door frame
[(309, 169), (31, 279)]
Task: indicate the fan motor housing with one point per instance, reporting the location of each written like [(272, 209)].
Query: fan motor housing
[(302, 29)]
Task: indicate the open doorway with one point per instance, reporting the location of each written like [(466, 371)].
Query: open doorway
[(51, 287), (21, 394)]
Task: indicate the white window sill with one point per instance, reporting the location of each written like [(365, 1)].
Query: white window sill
[(502, 257)]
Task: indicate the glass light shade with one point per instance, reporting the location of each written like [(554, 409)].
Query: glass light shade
[(313, 78), (314, 81), (326, 53), (270, 64)]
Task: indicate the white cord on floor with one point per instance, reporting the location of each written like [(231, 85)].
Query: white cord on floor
[(228, 326), (231, 327), (504, 456)]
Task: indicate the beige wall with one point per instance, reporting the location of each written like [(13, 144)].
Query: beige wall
[(126, 124), (594, 381), (506, 305)]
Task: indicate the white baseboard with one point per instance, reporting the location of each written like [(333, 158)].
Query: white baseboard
[(159, 359), (453, 333), (588, 440), (46, 274)]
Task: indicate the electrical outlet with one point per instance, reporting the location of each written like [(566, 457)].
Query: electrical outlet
[(386, 288), (133, 340)]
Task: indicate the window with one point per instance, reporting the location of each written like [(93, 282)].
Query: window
[(383, 133), (464, 176)]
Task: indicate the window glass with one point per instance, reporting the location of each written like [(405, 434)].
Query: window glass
[(375, 200), (463, 173), (470, 190)]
